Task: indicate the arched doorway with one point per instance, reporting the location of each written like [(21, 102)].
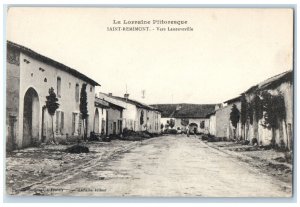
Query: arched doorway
[(96, 121), (193, 127), (30, 117)]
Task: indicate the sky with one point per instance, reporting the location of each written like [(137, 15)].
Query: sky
[(228, 51)]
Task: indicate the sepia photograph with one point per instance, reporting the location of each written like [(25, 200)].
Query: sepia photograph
[(149, 102)]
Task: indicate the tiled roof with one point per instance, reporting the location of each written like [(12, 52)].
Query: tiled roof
[(185, 110), (137, 103), (273, 82), (101, 103), (50, 61)]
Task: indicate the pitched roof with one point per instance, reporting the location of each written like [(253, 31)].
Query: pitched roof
[(114, 105), (134, 102), (101, 103), (137, 103), (52, 62), (233, 100), (185, 110), (273, 82)]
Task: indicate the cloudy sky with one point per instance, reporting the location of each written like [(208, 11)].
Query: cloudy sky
[(228, 50)]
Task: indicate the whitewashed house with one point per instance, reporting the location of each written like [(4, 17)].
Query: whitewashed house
[(29, 76), (101, 116), (255, 127), (194, 115), (136, 116)]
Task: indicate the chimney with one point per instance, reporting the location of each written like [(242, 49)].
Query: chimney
[(126, 95), (109, 94)]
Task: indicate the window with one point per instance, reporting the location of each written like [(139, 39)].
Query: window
[(69, 84), (73, 123), (76, 123), (91, 88), (59, 128), (77, 92), (58, 87)]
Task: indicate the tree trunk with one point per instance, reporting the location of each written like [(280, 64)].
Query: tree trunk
[(234, 133), (242, 134), (84, 129), (287, 136), (53, 138), (273, 137)]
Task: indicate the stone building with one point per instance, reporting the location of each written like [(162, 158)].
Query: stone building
[(100, 117), (193, 114), (255, 127), (114, 119), (29, 76), (280, 86), (136, 115), (223, 126)]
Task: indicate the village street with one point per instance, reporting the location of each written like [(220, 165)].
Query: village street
[(172, 165)]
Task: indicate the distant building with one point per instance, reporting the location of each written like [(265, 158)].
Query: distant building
[(192, 115), (136, 115), (29, 75)]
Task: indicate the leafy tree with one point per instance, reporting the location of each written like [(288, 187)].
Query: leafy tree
[(244, 108), (244, 113), (172, 123), (250, 112), (184, 122), (234, 118), (202, 124), (161, 126), (52, 106), (83, 108), (257, 108), (142, 118), (274, 112)]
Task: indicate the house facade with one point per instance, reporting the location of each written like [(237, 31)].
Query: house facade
[(267, 109), (29, 77), (100, 117), (276, 96), (114, 119), (136, 116), (193, 116)]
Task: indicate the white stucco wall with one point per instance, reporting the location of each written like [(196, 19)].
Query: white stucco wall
[(33, 75), (212, 124), (132, 114), (191, 120), (102, 120)]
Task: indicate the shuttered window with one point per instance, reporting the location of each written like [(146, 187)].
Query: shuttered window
[(79, 124), (62, 123), (73, 122), (57, 122)]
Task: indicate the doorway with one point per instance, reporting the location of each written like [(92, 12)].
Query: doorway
[(30, 117)]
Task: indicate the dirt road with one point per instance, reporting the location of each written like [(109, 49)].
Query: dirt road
[(168, 166)]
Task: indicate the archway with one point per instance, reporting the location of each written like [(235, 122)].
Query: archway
[(30, 117), (193, 127), (96, 121)]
